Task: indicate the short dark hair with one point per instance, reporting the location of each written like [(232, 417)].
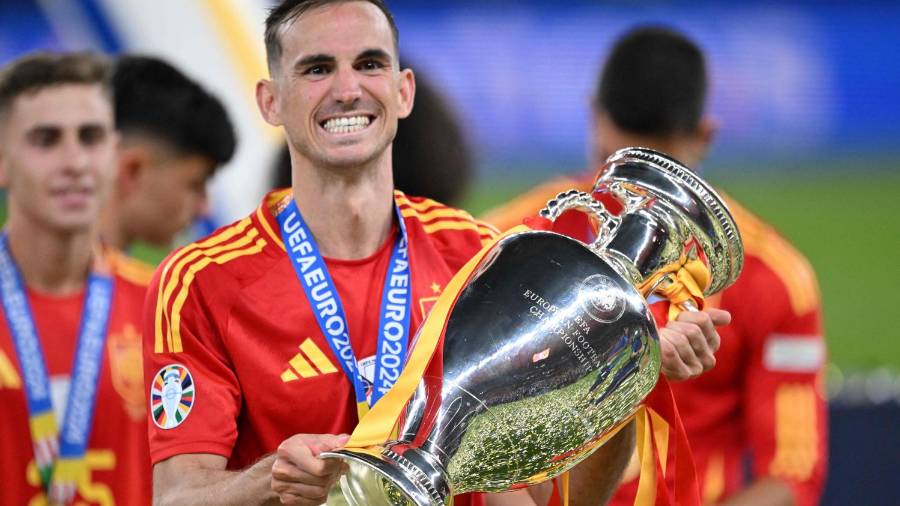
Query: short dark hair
[(36, 71), (288, 10), (653, 83), (156, 99)]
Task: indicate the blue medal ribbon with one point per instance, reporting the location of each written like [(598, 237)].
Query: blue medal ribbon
[(393, 327), (49, 446)]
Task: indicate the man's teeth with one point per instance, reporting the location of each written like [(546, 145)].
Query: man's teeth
[(346, 125)]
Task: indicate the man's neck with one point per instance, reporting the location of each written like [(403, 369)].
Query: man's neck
[(349, 213), (49, 261)]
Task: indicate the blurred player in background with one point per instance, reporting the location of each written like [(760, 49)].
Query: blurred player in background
[(431, 155), (74, 420), (764, 399), (174, 135)]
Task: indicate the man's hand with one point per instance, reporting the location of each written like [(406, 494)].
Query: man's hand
[(299, 476), (688, 344)]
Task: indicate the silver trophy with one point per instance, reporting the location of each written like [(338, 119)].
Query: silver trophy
[(551, 344)]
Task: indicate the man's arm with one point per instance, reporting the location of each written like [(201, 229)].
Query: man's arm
[(200, 478), (593, 481), (294, 475)]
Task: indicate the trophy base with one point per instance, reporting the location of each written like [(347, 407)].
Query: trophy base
[(382, 477)]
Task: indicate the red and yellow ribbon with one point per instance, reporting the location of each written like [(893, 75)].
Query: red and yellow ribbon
[(687, 280)]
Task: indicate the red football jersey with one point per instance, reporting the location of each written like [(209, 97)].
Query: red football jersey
[(231, 320), (118, 464), (764, 399)]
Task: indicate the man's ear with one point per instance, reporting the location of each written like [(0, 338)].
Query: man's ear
[(266, 100), (407, 92), (133, 164), (705, 135)]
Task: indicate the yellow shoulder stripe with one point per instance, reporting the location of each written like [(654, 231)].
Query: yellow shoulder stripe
[(445, 212), (131, 269), (276, 238), (442, 217), (796, 432), (171, 272), (487, 228), (451, 225), (424, 205), (229, 255), (792, 268)]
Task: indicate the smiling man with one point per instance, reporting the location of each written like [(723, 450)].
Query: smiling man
[(73, 425), (274, 321)]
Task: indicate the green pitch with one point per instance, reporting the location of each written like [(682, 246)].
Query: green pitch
[(848, 228)]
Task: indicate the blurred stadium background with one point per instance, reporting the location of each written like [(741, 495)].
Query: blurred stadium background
[(807, 94)]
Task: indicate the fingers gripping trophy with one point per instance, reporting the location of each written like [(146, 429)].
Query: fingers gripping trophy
[(549, 344)]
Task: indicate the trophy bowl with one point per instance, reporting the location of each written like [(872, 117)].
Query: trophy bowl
[(550, 345)]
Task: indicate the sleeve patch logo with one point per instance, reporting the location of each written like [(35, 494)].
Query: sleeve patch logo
[(171, 396), (792, 353)]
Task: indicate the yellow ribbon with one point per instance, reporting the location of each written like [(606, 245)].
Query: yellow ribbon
[(686, 281), (650, 424), (376, 426)]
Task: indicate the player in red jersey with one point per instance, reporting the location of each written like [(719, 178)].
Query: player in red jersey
[(764, 398), (74, 423), (254, 336), (241, 273)]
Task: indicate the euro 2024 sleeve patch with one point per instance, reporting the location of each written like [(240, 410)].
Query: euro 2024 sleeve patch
[(171, 396)]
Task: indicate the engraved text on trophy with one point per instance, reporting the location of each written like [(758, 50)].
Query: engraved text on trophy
[(572, 328)]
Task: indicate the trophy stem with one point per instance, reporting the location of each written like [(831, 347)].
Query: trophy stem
[(623, 266), (381, 476)]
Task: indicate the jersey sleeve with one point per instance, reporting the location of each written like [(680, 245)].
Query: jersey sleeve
[(193, 392), (785, 410)]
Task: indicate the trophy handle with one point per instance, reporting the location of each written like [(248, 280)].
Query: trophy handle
[(584, 202)]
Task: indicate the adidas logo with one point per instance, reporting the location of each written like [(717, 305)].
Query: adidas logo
[(308, 363)]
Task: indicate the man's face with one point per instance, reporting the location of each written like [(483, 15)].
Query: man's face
[(339, 91), (169, 194), (57, 149)]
